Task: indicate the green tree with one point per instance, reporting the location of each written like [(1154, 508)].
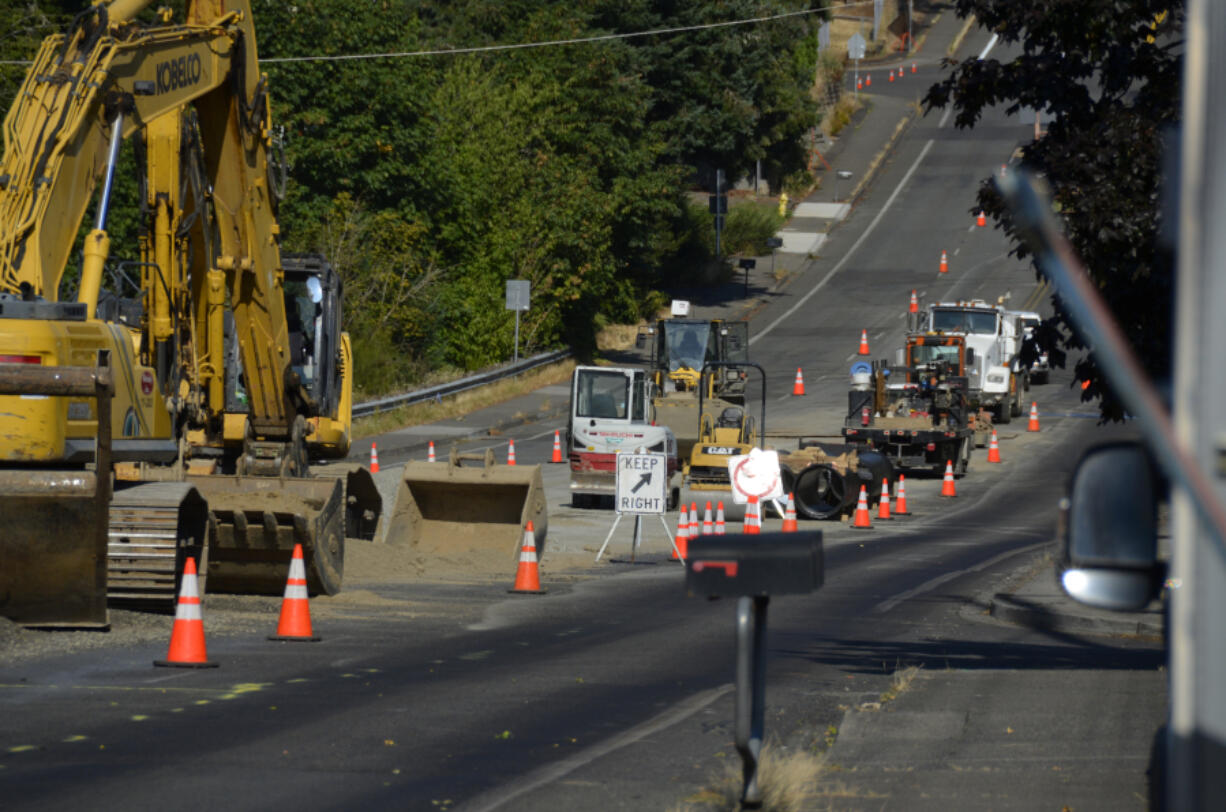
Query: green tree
[(1107, 76)]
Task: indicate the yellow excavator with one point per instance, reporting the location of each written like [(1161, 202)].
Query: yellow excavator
[(214, 390)]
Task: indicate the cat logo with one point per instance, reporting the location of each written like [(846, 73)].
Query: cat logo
[(146, 383)]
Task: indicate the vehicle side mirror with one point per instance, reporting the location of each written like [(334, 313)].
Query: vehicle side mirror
[(640, 341), (970, 356), (1110, 529)]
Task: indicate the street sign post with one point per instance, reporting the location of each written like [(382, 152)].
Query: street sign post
[(856, 47), (519, 294)]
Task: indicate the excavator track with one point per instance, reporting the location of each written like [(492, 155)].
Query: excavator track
[(152, 528)]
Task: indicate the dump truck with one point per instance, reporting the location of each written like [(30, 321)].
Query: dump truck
[(995, 379), (212, 423), (680, 347), (612, 410)]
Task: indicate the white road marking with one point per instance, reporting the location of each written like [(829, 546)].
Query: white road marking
[(552, 772), (838, 266), (991, 44)]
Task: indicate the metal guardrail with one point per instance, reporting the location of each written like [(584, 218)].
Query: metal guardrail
[(369, 407)]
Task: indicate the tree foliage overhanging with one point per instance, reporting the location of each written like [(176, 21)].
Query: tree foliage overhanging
[(431, 180), (1106, 76)]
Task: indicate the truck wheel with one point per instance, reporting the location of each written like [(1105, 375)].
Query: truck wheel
[(1003, 413)]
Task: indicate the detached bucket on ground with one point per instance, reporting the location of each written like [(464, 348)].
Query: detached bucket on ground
[(449, 509)]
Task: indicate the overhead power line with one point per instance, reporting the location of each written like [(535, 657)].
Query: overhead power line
[(551, 43), (524, 45)]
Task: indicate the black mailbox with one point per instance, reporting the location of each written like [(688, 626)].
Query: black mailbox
[(732, 566)]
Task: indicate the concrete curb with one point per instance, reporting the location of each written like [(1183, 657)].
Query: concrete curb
[(1012, 609), (903, 125)]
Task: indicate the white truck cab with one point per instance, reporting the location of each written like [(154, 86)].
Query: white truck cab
[(995, 380)]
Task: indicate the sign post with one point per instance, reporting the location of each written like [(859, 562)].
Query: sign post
[(519, 292), (642, 490), (855, 51)]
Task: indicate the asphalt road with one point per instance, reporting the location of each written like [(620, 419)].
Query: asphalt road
[(614, 690)]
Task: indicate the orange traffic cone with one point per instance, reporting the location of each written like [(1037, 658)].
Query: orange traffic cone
[(913, 67), (789, 516), (681, 544), (864, 342), (719, 519), (982, 219), (295, 622), (947, 487), (557, 447), (707, 526), (528, 577), (798, 386), (883, 504), (187, 635), (752, 524), (891, 76), (944, 267), (374, 458), (993, 448), (868, 80), (900, 504), (861, 520), (692, 532), (914, 307), (430, 452), (859, 84), (1033, 425), (510, 452), (900, 71)]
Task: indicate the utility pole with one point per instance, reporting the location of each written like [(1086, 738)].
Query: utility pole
[(1196, 736)]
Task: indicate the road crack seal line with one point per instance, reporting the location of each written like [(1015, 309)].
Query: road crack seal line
[(553, 772)]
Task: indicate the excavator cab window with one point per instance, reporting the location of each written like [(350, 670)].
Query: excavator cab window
[(303, 314)]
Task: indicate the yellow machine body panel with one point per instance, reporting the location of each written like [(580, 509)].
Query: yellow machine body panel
[(37, 428)]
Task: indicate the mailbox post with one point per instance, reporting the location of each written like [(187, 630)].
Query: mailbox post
[(751, 569)]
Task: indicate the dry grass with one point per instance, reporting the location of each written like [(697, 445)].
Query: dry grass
[(900, 682), (844, 25), (462, 403), (617, 337), (788, 781), (839, 116)]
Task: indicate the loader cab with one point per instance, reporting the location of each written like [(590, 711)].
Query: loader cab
[(682, 346)]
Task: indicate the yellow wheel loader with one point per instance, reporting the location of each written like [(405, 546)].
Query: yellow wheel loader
[(681, 346), (217, 407)]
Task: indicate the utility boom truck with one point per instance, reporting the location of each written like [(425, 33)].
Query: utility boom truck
[(917, 413), (612, 410), (995, 379)]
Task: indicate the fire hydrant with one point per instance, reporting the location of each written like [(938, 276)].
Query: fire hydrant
[(783, 204)]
